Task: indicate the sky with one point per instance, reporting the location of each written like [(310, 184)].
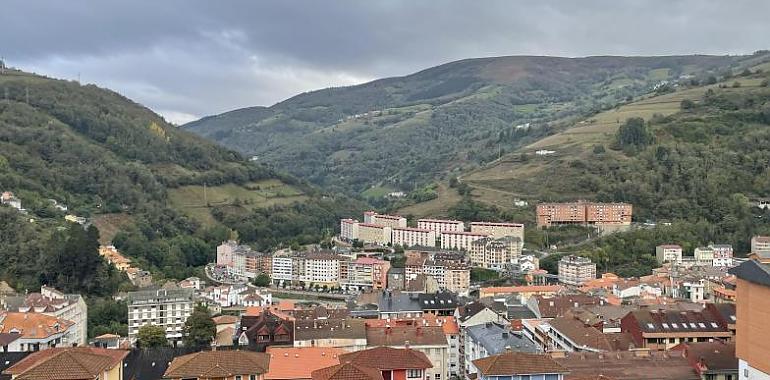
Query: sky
[(186, 59)]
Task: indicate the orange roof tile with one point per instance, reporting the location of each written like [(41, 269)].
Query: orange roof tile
[(32, 325), (522, 289), (347, 371), (218, 364), (299, 362), (66, 363)]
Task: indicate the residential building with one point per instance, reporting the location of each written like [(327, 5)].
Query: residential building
[(396, 278), (429, 340), (225, 365), (703, 255), (347, 371), (723, 255), (9, 342), (7, 198), (36, 331), (266, 327), (473, 314), (638, 364), (441, 225), (760, 246), (452, 275), (711, 360), (671, 253), (411, 237), (558, 306), (348, 334), (322, 268), (576, 270), (82, 363), (235, 296), (282, 268), (349, 229), (459, 240), (168, 308), (570, 334), (114, 258), (298, 363), (241, 260), (370, 233), (663, 329), (752, 336), (492, 338), (519, 366), (584, 213), (364, 273), (49, 301), (498, 230), (383, 220), (495, 253), (522, 293), (393, 364)]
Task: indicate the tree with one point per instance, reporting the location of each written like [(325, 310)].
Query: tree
[(262, 280), (151, 336), (199, 329), (633, 133), (687, 104)]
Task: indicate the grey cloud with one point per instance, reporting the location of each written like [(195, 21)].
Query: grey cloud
[(192, 58)]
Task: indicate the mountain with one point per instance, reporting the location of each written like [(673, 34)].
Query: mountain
[(404, 133), (164, 196)]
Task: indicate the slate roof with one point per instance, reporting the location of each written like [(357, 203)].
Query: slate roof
[(8, 338), (495, 337), (518, 363), (218, 364), (662, 321), (387, 358), (350, 328), (753, 271)]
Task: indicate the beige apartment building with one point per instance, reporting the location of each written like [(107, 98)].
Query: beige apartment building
[(459, 240), (584, 213), (371, 217), (495, 253), (349, 229), (412, 237), (441, 225), (760, 246), (498, 230), (374, 234), (671, 253), (576, 270)]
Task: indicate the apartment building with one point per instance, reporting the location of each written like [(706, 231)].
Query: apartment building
[(584, 213), (349, 229), (457, 278), (168, 308), (241, 260), (371, 217), (369, 233), (348, 334), (703, 255), (723, 255), (492, 338), (51, 302), (282, 268), (498, 230), (459, 240), (441, 225), (319, 267), (576, 270), (494, 253), (664, 329), (430, 340), (413, 237), (364, 273), (671, 253), (752, 313), (760, 246)]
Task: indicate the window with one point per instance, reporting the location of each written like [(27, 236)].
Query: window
[(414, 373), (238, 377), (438, 376)]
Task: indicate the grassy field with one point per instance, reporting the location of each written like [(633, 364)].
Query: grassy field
[(377, 192), (447, 197), (191, 200)]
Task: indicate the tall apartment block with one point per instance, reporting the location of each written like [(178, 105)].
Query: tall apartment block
[(576, 270), (167, 308), (584, 213)]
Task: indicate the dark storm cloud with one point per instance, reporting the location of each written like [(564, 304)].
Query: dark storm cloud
[(187, 59)]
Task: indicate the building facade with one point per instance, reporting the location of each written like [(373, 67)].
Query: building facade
[(752, 313), (441, 225), (584, 213), (374, 234), (168, 308), (412, 237), (669, 253), (349, 229), (576, 270), (495, 254), (499, 230), (459, 240)]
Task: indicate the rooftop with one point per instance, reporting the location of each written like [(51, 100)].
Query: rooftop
[(753, 271), (495, 338), (66, 363), (347, 371), (32, 325), (387, 358), (403, 336), (218, 364), (518, 363), (299, 362), (629, 365), (351, 328)]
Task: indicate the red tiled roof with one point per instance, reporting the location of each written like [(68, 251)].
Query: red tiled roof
[(386, 358), (32, 325), (66, 363), (298, 363), (218, 364), (347, 371), (518, 363)]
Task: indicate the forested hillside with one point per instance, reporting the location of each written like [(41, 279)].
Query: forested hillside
[(109, 159), (404, 133)]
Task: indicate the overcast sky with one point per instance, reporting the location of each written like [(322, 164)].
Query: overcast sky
[(187, 59)]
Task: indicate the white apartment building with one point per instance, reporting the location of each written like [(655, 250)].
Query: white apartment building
[(459, 240), (51, 302), (671, 253), (374, 234), (35, 331), (320, 268), (576, 270), (168, 308), (349, 229), (723, 255), (441, 225), (412, 237), (495, 254), (704, 255), (760, 245), (498, 230), (283, 268)]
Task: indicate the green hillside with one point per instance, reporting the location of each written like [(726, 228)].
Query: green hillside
[(403, 133), (139, 180)]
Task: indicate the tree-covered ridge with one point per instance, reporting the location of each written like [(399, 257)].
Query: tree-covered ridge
[(405, 132)]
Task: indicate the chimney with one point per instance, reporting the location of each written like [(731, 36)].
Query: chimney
[(406, 344)]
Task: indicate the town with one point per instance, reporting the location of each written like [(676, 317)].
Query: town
[(348, 310)]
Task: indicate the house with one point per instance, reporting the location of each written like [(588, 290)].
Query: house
[(671, 253), (292, 363), (268, 327), (659, 329), (429, 340), (393, 363), (36, 331), (225, 365), (111, 341), (7, 198), (570, 334), (711, 360), (492, 339), (752, 334), (519, 366), (82, 363), (9, 342), (49, 301)]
